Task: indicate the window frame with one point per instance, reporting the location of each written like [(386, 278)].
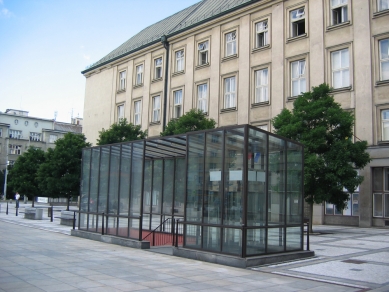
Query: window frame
[(255, 100), (265, 32), (205, 100), (379, 9), (155, 110), (340, 69), (200, 52), (227, 42), (119, 112), (230, 93), (382, 60), (299, 78), (138, 76), (35, 136), (383, 123), (53, 138), (138, 114), (14, 149), (15, 134), (122, 80), (182, 59), (336, 7), (293, 33), (178, 105), (158, 68)]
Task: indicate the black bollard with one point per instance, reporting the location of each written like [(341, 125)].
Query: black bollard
[(51, 213), (7, 209)]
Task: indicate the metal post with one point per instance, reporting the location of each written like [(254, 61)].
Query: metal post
[(74, 220), (7, 209), (308, 236), (102, 226), (51, 213), (153, 239), (177, 232), (17, 207), (172, 231)]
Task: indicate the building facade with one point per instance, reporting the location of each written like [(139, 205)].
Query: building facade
[(242, 62), (19, 131)]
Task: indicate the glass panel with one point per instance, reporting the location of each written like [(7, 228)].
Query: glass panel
[(104, 175), (355, 205), (168, 187), (377, 205), (386, 179), (293, 238), (92, 222), (195, 178), (347, 210), (94, 183), (232, 241), (193, 236), (179, 190), (155, 221), (275, 241), (157, 187), (86, 157), (378, 182), (123, 227), (335, 60), (136, 178), (386, 205), (211, 238), (337, 79), (84, 221), (125, 170), (385, 70), (114, 180), (256, 190), (233, 177), (344, 58), (345, 78), (147, 186), (134, 229), (213, 178), (329, 209), (255, 241), (111, 225), (294, 184), (276, 177), (146, 222)]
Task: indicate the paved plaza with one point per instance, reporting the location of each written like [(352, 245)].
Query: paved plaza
[(39, 255)]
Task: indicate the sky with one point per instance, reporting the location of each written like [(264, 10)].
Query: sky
[(45, 44)]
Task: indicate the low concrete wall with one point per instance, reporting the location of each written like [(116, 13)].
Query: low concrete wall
[(33, 213), (111, 239), (341, 220), (240, 262)]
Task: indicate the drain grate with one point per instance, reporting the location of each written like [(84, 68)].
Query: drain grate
[(357, 262)]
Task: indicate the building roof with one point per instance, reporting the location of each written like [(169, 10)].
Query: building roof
[(65, 127), (192, 16)]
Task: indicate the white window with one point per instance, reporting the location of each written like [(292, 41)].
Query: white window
[(383, 5), (298, 77), (177, 111), (339, 11), (384, 59), (15, 149), (202, 98), (261, 86), (15, 134), (122, 80), (180, 61), (262, 34), (156, 108), (120, 112), (139, 75), (385, 126), (158, 68), (340, 68), (203, 53), (230, 43), (229, 92), (137, 112), (35, 136), (53, 138), (297, 22)]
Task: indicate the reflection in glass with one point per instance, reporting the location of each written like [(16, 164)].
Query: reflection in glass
[(156, 199), (123, 227), (211, 238), (114, 180), (275, 239), (232, 241), (256, 239), (294, 184), (125, 170), (136, 178), (134, 228), (179, 187), (147, 186), (104, 176), (193, 236), (92, 222), (111, 226), (94, 183), (86, 156), (293, 238), (168, 168)]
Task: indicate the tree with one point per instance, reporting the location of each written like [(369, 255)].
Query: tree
[(22, 177), (121, 132), (194, 120), (60, 174), (331, 158)]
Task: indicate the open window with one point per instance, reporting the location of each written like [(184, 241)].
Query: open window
[(203, 51), (339, 11), (262, 34), (158, 68), (297, 22)]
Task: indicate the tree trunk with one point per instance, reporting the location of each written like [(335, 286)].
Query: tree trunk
[(310, 217), (67, 206), (33, 200)]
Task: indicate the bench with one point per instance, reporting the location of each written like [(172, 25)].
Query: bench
[(67, 218), (33, 213)]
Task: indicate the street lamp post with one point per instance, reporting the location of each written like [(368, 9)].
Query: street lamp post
[(5, 181)]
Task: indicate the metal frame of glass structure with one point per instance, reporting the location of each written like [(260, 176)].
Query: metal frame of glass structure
[(237, 190)]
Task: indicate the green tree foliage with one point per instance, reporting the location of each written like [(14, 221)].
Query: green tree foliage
[(331, 157), (60, 174), (22, 177), (121, 132), (194, 120)]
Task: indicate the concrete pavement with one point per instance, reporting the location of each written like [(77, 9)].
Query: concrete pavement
[(38, 255)]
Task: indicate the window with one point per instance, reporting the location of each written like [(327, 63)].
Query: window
[(137, 112), (262, 34), (352, 208), (156, 109), (158, 68), (1, 132), (203, 53), (120, 112), (263, 127), (122, 80), (53, 138), (261, 86), (384, 59), (230, 43), (339, 11), (298, 77), (15, 149), (35, 136), (381, 192), (15, 134), (180, 61), (229, 92), (297, 22), (340, 69), (202, 99), (383, 5), (139, 75), (177, 110), (385, 125)]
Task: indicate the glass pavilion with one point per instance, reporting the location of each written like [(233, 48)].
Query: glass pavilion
[(237, 190)]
